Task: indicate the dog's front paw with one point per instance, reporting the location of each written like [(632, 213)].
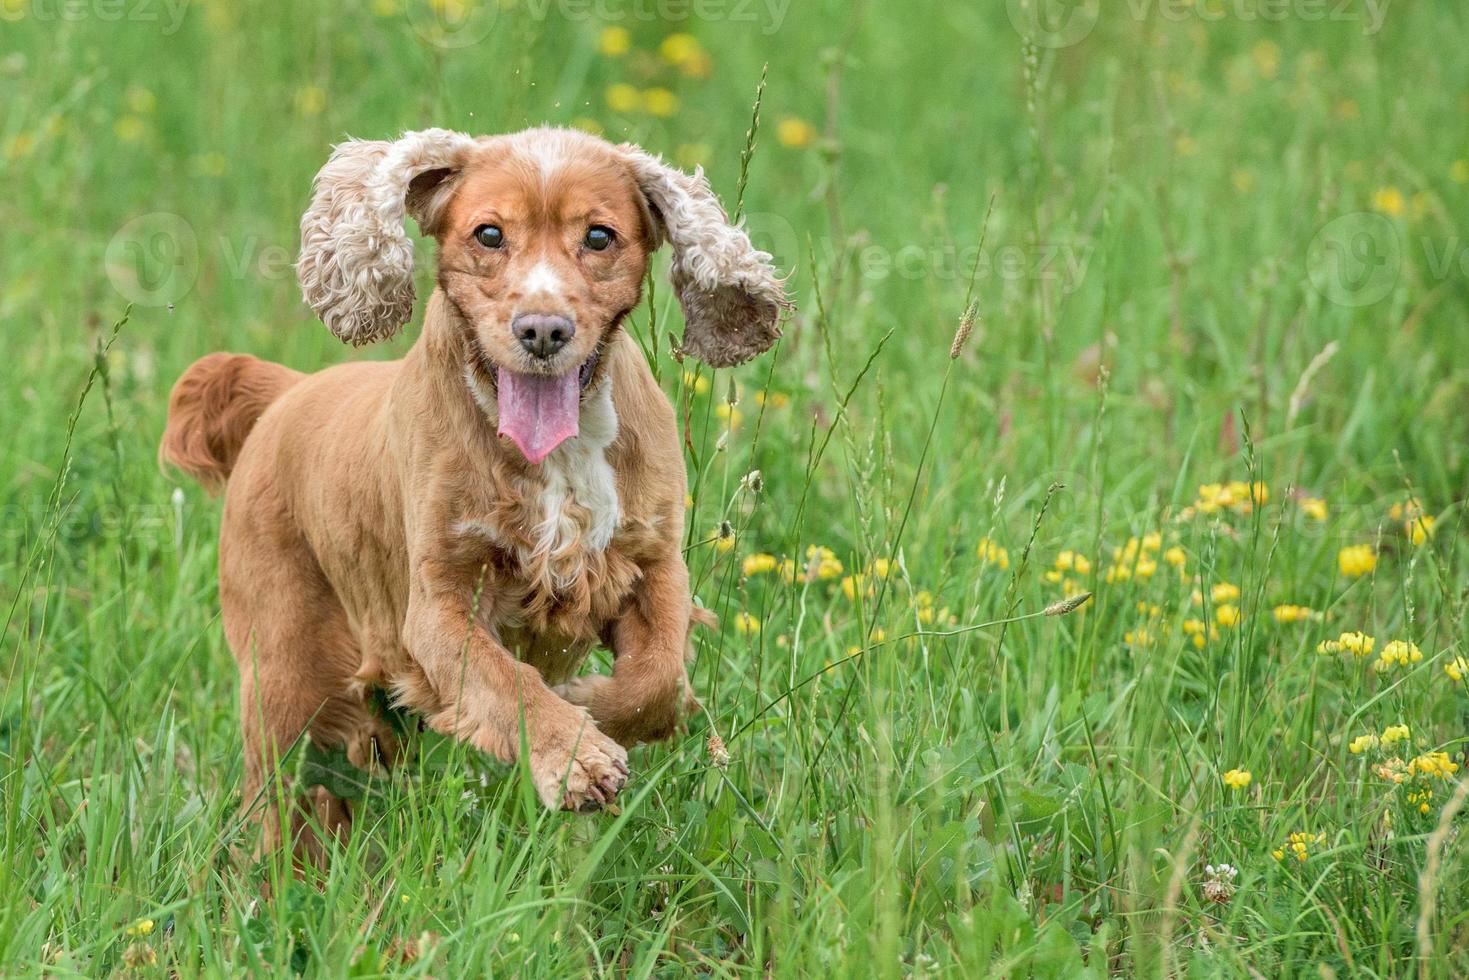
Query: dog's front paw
[(632, 712), (578, 768)]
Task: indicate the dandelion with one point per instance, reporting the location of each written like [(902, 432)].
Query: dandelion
[(758, 564), (1388, 200), (310, 100), (660, 102), (1313, 507), (1398, 653), (1237, 778), (746, 624), (622, 97), (991, 553), (795, 133), (614, 42), (1456, 669), (1356, 560)]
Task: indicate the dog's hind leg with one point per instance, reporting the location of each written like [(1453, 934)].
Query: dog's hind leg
[(297, 657)]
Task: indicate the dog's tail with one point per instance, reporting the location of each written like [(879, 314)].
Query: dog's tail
[(213, 407)]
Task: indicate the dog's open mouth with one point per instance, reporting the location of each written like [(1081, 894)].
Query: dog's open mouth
[(541, 411)]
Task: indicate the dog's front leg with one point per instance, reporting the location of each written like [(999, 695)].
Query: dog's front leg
[(484, 693), (648, 693)]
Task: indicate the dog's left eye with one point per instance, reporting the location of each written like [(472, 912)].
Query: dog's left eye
[(599, 237)]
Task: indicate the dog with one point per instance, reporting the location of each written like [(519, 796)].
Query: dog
[(459, 528)]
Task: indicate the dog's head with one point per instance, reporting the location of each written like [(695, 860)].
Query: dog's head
[(544, 238)]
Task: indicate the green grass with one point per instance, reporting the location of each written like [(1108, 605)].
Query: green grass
[(902, 795)]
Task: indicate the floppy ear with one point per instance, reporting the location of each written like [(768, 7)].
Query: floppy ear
[(356, 264), (732, 298)]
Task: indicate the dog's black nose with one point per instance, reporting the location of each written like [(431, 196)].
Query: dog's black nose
[(542, 334)]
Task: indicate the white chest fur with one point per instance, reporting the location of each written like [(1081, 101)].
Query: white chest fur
[(576, 501)]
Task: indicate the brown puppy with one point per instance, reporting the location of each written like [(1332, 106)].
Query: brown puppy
[(460, 527)]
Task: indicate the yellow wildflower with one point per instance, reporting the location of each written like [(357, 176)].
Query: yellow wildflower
[(310, 100), (697, 382), (1356, 643), (794, 132), (746, 624), (758, 564), (1398, 653), (1227, 615), (1299, 845), (852, 586), (1393, 734), (1419, 529), (724, 536), (1389, 200), (1237, 778), (660, 102), (775, 399), (142, 927), (992, 554), (1456, 669), (1356, 560), (677, 49), (622, 97), (1073, 561), (1362, 743), (823, 562), (728, 413), (1313, 507), (1175, 556), (1293, 614), (614, 42), (1432, 764)]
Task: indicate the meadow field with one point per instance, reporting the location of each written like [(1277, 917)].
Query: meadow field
[(1162, 302)]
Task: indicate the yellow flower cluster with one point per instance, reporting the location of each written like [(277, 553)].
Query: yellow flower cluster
[(1456, 669), (1356, 560), (1138, 558), (1237, 778), (1299, 845), (1417, 525), (1398, 653), (1433, 764), (759, 564), (1196, 631), (1356, 643), (1236, 495), (1313, 507), (1390, 736), (822, 563), (1219, 592), (1294, 614), (746, 624), (993, 554)]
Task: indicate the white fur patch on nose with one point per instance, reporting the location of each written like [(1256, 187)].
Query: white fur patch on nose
[(542, 279)]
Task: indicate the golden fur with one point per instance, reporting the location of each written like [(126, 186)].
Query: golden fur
[(378, 533)]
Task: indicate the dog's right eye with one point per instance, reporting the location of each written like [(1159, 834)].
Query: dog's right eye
[(490, 236)]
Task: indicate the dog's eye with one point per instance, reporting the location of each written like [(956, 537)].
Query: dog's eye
[(599, 237), (490, 236)]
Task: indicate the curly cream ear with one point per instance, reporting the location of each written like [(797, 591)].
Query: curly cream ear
[(356, 264), (731, 296)]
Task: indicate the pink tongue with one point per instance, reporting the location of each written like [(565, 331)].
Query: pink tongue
[(539, 411)]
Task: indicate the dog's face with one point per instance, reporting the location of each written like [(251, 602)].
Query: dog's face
[(544, 239), (543, 244)]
